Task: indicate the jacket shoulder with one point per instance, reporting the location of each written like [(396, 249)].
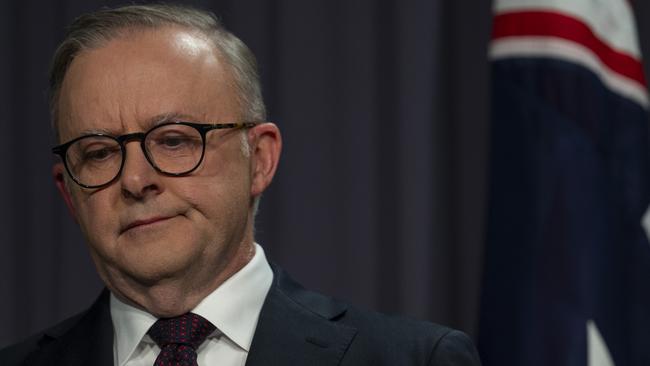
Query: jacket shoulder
[(17, 353), (83, 339), (455, 348), (381, 339), (408, 341)]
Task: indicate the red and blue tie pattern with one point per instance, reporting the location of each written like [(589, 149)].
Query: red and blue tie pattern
[(178, 339)]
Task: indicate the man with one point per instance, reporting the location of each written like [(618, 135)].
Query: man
[(164, 156)]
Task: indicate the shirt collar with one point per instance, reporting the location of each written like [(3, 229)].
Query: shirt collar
[(233, 308)]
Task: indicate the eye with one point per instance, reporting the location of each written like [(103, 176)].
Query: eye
[(98, 154), (173, 140), (93, 149)]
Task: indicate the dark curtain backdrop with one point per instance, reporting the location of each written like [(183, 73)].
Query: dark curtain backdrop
[(380, 194)]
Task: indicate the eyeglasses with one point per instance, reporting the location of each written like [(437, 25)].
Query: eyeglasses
[(173, 148)]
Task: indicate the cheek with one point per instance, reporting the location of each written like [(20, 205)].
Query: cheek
[(97, 218), (222, 182), (218, 206), (215, 201)]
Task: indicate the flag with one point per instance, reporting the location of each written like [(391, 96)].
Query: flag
[(567, 261)]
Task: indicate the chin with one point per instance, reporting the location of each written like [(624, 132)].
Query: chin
[(152, 271), (156, 258), (140, 272)]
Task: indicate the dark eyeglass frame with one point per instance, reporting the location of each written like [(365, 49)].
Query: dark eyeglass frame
[(202, 128)]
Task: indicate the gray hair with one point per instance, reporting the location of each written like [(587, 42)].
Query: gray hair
[(93, 30)]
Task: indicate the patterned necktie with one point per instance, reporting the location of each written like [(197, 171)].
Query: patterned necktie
[(178, 339)]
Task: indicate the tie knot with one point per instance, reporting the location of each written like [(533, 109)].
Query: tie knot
[(188, 329)]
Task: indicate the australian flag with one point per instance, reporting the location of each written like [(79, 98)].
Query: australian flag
[(567, 261)]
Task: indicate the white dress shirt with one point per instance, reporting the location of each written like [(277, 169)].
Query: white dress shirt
[(233, 308)]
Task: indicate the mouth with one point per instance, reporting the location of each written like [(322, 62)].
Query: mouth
[(145, 223)]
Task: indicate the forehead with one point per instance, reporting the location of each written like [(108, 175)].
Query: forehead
[(122, 85)]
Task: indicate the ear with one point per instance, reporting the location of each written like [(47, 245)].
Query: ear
[(266, 144), (58, 172)]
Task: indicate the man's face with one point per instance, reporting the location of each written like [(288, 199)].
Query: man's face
[(145, 228)]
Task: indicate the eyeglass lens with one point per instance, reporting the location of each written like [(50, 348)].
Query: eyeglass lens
[(172, 149)]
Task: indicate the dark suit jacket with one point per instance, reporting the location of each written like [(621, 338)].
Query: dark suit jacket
[(296, 327)]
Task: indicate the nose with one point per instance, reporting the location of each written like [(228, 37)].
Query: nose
[(139, 180)]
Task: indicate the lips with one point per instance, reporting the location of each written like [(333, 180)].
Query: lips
[(144, 222)]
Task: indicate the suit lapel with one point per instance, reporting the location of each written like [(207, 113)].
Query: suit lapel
[(85, 340), (296, 327)]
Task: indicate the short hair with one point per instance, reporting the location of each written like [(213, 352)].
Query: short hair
[(93, 30)]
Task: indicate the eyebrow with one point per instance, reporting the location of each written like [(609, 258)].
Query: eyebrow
[(94, 131), (169, 117), (148, 123)]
